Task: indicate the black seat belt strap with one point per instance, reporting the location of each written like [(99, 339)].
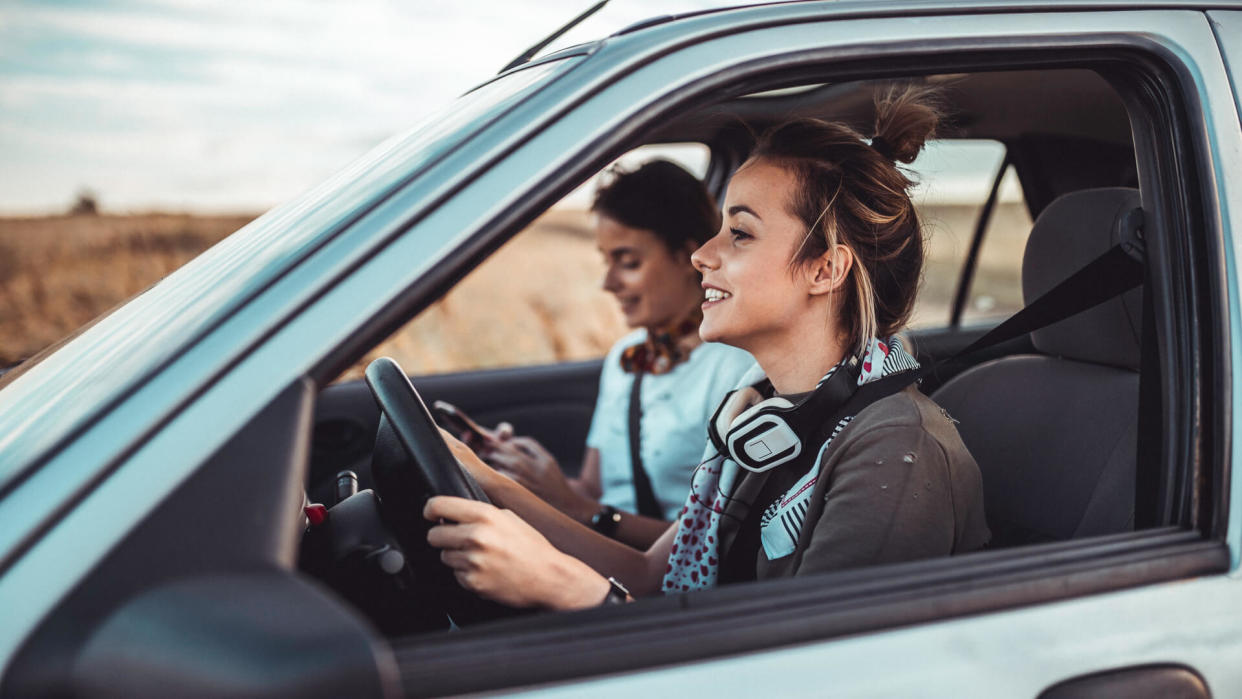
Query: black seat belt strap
[(1117, 271), (644, 494)]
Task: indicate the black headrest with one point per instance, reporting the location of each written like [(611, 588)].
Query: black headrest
[(1070, 232)]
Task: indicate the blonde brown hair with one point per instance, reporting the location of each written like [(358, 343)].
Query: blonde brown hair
[(852, 193)]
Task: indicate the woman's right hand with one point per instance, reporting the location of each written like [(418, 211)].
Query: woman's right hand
[(497, 555)]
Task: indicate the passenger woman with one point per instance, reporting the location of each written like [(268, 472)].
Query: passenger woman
[(660, 383), (814, 271)]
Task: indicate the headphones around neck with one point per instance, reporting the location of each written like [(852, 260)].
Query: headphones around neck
[(774, 431)]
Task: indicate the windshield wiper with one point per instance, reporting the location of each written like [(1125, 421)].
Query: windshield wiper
[(530, 52)]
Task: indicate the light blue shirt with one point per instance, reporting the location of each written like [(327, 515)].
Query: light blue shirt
[(676, 408)]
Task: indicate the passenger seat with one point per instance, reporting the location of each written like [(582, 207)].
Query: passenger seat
[(1055, 433)]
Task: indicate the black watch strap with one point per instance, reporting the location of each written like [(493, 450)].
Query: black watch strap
[(617, 593), (606, 520)]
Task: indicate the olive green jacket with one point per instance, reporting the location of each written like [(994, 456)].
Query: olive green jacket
[(896, 484)]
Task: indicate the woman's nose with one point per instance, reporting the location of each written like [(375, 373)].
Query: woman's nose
[(610, 283), (704, 258)]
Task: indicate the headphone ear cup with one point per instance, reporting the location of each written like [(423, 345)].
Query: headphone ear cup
[(759, 438), (734, 404)]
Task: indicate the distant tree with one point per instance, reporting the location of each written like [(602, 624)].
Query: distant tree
[(85, 204)]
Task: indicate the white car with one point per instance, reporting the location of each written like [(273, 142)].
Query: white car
[(153, 468)]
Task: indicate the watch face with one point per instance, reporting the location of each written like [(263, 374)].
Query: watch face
[(617, 593)]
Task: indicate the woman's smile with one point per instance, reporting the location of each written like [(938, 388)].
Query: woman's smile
[(714, 296)]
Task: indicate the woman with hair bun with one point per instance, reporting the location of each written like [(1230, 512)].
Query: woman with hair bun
[(814, 270)]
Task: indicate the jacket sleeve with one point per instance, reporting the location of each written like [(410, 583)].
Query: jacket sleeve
[(888, 498)]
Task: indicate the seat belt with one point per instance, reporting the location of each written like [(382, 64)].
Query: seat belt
[(1117, 271), (644, 495)]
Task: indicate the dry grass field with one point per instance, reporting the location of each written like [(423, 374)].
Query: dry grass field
[(537, 300)]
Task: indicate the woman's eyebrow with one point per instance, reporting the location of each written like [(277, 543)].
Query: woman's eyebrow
[(743, 209), (618, 252)]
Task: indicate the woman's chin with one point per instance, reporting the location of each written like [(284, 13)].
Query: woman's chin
[(710, 333)]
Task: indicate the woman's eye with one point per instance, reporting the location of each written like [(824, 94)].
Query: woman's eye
[(629, 263), (739, 234)]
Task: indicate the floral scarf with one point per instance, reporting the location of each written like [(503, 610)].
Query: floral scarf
[(662, 349), (694, 559)]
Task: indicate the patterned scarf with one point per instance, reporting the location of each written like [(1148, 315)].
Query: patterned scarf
[(694, 559), (662, 350)]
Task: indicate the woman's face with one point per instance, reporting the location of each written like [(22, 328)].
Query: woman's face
[(754, 298), (653, 285)]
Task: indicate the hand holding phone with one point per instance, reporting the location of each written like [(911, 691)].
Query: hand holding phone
[(459, 423)]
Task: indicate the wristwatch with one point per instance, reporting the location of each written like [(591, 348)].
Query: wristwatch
[(617, 594), (606, 520)]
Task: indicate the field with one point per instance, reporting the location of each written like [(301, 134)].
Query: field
[(537, 300)]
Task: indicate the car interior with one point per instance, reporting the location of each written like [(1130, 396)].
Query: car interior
[(1079, 428), (1061, 132)]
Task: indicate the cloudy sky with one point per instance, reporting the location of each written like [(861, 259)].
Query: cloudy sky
[(230, 105)]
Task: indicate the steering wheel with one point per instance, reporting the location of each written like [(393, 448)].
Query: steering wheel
[(411, 462), (405, 422)]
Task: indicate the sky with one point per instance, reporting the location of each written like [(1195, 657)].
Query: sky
[(215, 106)]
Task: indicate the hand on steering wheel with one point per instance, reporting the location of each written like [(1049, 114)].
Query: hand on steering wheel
[(496, 554)]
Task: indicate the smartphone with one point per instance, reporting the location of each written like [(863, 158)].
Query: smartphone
[(461, 425)]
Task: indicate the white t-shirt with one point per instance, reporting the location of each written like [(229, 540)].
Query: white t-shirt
[(675, 410)]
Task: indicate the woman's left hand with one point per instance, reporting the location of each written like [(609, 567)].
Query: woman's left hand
[(526, 461), (496, 554)]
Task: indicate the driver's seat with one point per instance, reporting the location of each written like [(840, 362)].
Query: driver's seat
[(1055, 433)]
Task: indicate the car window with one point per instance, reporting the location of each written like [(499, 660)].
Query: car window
[(996, 288), (954, 180), (538, 300)]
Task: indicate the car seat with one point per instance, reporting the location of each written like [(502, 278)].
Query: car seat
[(1055, 433)]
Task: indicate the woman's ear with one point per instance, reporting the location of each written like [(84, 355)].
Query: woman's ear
[(828, 272)]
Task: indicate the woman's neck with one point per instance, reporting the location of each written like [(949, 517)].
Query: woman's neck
[(797, 363), (690, 339)]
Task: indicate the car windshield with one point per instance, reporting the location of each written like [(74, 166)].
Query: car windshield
[(69, 381)]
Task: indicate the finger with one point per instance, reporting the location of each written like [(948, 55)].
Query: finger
[(530, 446), (510, 462), (458, 560), (450, 536), (457, 509), (503, 431)]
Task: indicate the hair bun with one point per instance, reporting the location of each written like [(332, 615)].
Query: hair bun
[(905, 119), (882, 147)]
